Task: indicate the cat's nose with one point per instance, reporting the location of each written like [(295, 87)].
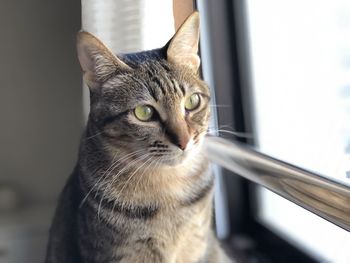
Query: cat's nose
[(183, 142), (178, 132), (178, 136)]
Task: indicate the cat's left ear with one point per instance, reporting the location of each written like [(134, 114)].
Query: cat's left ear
[(183, 47)]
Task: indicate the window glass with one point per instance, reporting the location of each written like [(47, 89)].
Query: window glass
[(300, 58), (301, 73)]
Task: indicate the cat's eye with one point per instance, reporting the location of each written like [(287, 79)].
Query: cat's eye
[(192, 102), (144, 112)]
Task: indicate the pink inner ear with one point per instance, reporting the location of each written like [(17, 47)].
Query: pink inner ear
[(96, 60), (195, 61), (189, 60), (183, 47)]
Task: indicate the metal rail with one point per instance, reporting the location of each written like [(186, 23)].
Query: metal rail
[(325, 198)]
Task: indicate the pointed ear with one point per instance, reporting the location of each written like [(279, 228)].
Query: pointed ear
[(97, 61), (183, 47)]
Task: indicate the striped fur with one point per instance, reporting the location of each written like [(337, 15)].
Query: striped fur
[(134, 195)]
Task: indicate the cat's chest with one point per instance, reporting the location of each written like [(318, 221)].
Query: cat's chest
[(177, 235), (186, 233)]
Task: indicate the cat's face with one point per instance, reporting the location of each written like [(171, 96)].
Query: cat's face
[(163, 114), (150, 104)]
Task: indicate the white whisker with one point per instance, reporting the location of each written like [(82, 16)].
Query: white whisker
[(113, 165), (140, 158), (220, 106), (238, 134), (132, 175), (93, 136), (149, 165)]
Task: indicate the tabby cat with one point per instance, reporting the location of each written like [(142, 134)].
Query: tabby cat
[(141, 190)]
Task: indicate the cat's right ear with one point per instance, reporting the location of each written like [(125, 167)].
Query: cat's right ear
[(97, 61), (183, 47)]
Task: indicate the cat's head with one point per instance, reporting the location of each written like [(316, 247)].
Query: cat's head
[(152, 103)]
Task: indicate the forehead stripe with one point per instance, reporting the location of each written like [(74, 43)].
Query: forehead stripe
[(158, 87), (170, 84), (178, 87), (155, 79)]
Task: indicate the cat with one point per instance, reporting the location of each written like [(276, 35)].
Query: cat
[(141, 190)]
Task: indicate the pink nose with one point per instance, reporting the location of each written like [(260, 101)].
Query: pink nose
[(178, 132), (182, 144)]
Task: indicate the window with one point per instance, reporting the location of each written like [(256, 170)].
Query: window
[(302, 83), (300, 57), (281, 72)]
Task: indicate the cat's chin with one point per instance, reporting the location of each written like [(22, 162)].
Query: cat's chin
[(176, 161), (183, 158)]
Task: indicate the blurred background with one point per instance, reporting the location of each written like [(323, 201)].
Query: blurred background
[(40, 116), (279, 72), (43, 104)]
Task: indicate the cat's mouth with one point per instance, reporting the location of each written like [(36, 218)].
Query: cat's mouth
[(175, 157), (169, 154), (172, 161)]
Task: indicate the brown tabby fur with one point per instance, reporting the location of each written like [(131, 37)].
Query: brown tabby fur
[(141, 191)]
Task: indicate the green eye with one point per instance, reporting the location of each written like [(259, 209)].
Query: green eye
[(144, 112), (192, 102)]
